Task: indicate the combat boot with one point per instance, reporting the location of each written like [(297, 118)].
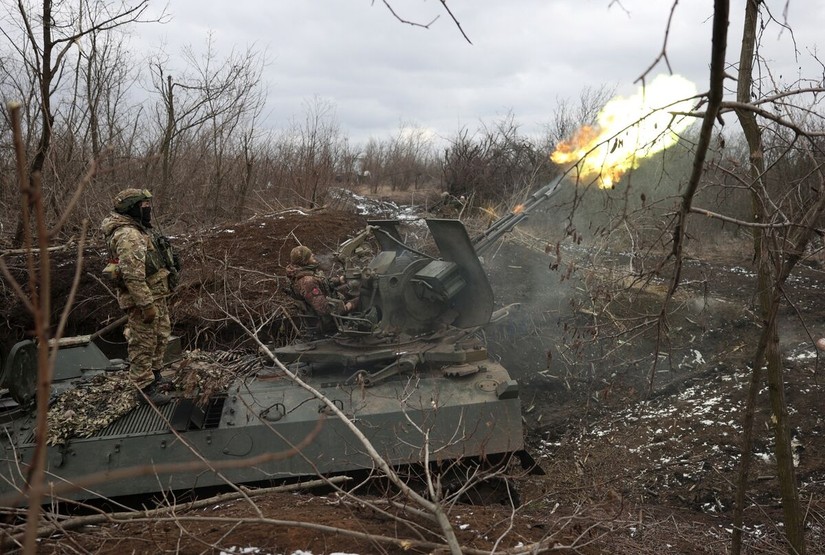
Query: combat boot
[(150, 394), (161, 381)]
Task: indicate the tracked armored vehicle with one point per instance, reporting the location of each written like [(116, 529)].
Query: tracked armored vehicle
[(409, 371)]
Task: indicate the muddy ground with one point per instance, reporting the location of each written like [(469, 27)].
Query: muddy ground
[(638, 457)]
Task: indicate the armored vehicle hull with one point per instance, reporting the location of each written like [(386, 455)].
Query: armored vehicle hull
[(264, 428)]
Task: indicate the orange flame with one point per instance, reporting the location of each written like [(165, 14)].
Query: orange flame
[(518, 209), (629, 130)]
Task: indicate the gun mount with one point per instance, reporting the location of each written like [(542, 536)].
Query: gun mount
[(416, 309)]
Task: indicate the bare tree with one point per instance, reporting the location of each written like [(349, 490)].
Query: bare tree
[(104, 75), (496, 163), (312, 152), (782, 227), (569, 116), (249, 157), (374, 160), (42, 43), (409, 160), (202, 108)]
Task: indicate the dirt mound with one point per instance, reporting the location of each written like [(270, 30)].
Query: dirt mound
[(237, 270)]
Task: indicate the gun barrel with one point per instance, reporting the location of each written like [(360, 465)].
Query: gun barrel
[(505, 224)]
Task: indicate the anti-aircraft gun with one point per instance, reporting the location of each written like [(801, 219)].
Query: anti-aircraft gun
[(408, 296), (419, 317), (409, 370)]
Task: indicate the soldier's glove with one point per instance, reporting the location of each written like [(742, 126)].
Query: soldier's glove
[(149, 314)]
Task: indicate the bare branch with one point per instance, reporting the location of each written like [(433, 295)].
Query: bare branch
[(715, 95), (78, 193), (64, 317), (455, 20), (744, 223), (663, 53), (406, 21)]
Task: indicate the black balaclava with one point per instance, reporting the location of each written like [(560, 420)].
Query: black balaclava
[(143, 215)]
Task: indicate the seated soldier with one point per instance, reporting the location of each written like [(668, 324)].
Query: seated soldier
[(309, 284)]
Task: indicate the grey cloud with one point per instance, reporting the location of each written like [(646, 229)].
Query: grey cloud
[(525, 54)]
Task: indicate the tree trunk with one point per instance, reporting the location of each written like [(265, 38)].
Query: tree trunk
[(168, 134), (769, 276), (46, 118)]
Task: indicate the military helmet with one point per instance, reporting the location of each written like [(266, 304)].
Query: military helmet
[(127, 198), (300, 255)]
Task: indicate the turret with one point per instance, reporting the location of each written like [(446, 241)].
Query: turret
[(405, 291)]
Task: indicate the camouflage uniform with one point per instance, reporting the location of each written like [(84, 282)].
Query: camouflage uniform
[(313, 287), (143, 283)]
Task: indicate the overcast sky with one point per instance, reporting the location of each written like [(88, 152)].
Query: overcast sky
[(525, 54)]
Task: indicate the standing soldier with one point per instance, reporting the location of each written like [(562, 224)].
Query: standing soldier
[(141, 263)]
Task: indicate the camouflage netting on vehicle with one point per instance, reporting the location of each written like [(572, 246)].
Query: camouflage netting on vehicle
[(90, 406), (201, 374), (96, 402)]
